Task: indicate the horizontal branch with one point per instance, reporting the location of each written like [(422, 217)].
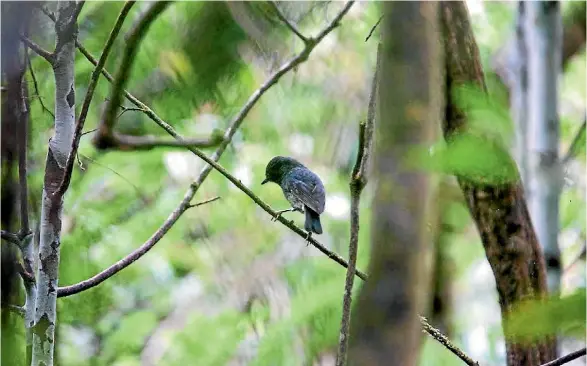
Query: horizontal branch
[(38, 49), (567, 358), (133, 256), (129, 142)]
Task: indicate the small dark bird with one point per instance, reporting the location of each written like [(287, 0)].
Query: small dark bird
[(301, 187)]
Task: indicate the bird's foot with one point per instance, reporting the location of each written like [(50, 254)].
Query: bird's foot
[(308, 238), (280, 212)]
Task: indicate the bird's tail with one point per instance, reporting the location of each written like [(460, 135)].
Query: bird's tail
[(312, 223)]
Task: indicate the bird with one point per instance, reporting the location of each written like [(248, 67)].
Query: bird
[(301, 187)]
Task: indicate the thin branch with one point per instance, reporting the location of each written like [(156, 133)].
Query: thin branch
[(126, 109), (129, 142), (89, 94), (139, 193), (357, 183), (436, 334), (22, 158), (579, 137), (36, 86), (90, 131), (373, 29), (289, 24), (38, 49), (185, 202), (567, 358), (132, 45), (132, 257), (11, 238), (235, 124), (78, 9), (15, 309), (204, 202)]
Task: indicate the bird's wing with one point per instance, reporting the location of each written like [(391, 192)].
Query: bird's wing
[(308, 188)]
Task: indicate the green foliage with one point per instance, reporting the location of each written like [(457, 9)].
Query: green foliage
[(564, 316), (476, 158), (212, 340), (196, 64), (129, 335)]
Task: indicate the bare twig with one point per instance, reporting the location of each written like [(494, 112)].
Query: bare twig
[(127, 109), (90, 131), (185, 202), (436, 334), (139, 193), (89, 94), (38, 49), (579, 136), (373, 29), (204, 202), (289, 24), (567, 358), (132, 45), (132, 257), (36, 86), (22, 159), (357, 182)]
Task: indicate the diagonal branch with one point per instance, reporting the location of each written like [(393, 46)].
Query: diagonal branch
[(131, 49), (38, 50), (289, 24), (185, 202), (357, 182), (89, 94), (132, 257), (579, 137), (36, 86), (442, 339), (567, 358), (11, 238)]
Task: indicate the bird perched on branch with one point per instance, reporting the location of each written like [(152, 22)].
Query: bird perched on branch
[(301, 187)]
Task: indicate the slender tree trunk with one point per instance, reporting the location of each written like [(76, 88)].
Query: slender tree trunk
[(499, 210), (543, 31), (385, 327), (59, 148), (519, 93)]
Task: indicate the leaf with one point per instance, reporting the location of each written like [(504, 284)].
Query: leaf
[(476, 158), (536, 319)]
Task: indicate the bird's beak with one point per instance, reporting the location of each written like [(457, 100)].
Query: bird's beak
[(265, 181)]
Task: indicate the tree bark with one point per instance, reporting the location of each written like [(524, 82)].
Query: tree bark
[(499, 210), (385, 327), (59, 147)]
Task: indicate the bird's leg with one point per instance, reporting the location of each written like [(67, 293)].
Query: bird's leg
[(308, 238), (278, 213)]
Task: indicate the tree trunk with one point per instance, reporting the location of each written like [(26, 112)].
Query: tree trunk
[(543, 30), (499, 210), (59, 148), (386, 329)]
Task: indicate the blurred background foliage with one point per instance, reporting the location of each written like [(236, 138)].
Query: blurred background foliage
[(226, 285)]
